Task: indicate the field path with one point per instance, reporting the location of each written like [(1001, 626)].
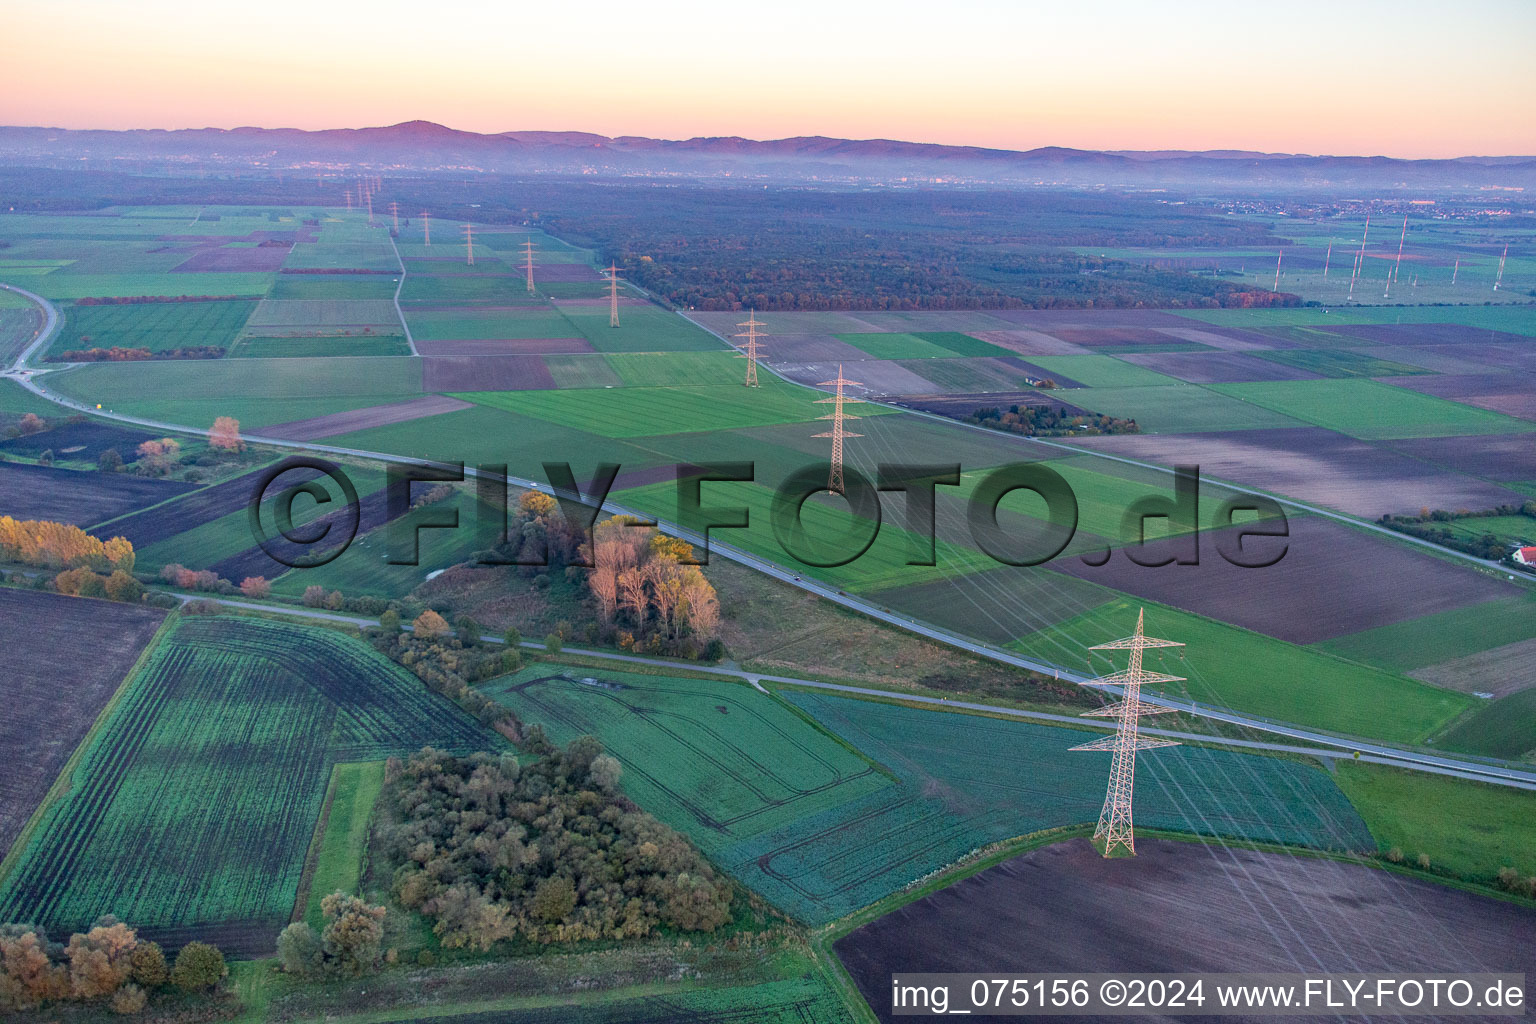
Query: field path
[(398, 311), (1490, 771)]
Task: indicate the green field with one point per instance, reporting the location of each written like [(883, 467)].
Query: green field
[(667, 369), (1185, 408), (797, 815), (117, 385), (450, 325), (157, 326), (467, 289), (334, 286), (78, 286), (1468, 828), (647, 411), (320, 347), (642, 329), (353, 791), (1371, 410), (896, 346), (274, 315), (581, 370), (962, 344), (1516, 318), (1504, 728), (1233, 668), (196, 800), (1430, 639), (1097, 371)]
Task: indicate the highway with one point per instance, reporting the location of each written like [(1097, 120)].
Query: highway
[(1501, 773)]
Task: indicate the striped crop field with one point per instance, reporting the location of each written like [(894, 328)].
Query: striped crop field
[(195, 803)]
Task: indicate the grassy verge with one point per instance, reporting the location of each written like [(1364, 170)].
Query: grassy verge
[(335, 861)]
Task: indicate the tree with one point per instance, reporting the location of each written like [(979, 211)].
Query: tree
[(109, 461), (298, 948), (352, 935), (255, 587), (512, 638), (123, 587), (156, 457), (225, 435), (32, 423), (605, 772), (468, 631), (554, 899), (99, 960), (537, 504), (29, 978), (148, 966), (553, 644), (430, 626), (390, 620), (314, 596), (199, 967)]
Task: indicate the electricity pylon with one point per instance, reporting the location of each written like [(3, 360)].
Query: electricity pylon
[(528, 262), (348, 194), (394, 213), (837, 433), (749, 350), (613, 295), (426, 226), (469, 245), (1115, 825)]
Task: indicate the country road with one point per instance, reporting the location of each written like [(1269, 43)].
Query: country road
[(1502, 773)]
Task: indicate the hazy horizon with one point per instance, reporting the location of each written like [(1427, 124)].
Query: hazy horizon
[(1360, 80)]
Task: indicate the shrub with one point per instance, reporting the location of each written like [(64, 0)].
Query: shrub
[(430, 626), (147, 965), (512, 638), (314, 596), (390, 621), (298, 949), (129, 999), (109, 461), (553, 643), (255, 587), (199, 967)]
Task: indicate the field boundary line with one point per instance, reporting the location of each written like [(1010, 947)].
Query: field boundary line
[(312, 855), (62, 782)]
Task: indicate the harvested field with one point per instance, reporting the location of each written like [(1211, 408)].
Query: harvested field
[(503, 346), (581, 370), (78, 442), (875, 376), (1339, 362), (966, 320), (80, 498), (1427, 334), (805, 348), (1499, 671), (373, 512), (208, 504), (1187, 907), (995, 605), (1101, 371), (1226, 341), (1209, 367), (51, 694), (363, 419), (1298, 599), (1510, 458), (780, 324), (247, 716), (562, 272), (486, 373), (1030, 343), (971, 375), (1327, 468), (1092, 337), (1501, 392), (1438, 358), (1180, 408), (493, 323)]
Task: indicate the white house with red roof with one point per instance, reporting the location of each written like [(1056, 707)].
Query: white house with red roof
[(1526, 556)]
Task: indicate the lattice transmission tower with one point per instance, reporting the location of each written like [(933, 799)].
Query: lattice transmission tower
[(394, 214), (837, 433), (469, 245), (613, 295), (1115, 825), (426, 226), (528, 262), (749, 350)]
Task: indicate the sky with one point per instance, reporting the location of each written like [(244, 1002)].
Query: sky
[(1404, 78)]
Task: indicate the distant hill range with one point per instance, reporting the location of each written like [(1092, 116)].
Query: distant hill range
[(425, 147)]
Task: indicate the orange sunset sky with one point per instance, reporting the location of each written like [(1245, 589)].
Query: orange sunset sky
[(1406, 78)]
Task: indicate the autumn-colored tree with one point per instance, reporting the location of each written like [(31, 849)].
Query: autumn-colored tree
[(255, 587), (225, 435), (430, 625), (159, 455), (314, 596), (537, 503), (32, 423), (28, 977), (148, 965), (122, 587), (99, 960), (353, 933), (60, 545)]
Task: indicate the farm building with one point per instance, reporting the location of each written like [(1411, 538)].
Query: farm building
[(1526, 556)]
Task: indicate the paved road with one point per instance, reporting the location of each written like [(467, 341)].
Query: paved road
[(756, 679), (1489, 771), (399, 285)]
